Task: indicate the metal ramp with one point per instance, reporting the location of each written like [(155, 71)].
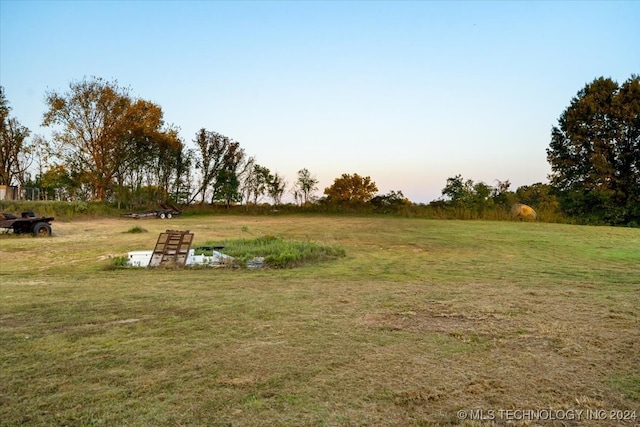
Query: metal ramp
[(172, 249)]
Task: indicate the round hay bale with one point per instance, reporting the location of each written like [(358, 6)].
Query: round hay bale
[(522, 212)]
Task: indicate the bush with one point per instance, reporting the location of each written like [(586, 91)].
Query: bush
[(117, 263), (277, 253), (136, 229), (59, 210)]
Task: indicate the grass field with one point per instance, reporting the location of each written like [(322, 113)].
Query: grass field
[(420, 320)]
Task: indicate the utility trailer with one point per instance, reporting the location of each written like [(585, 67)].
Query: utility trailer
[(167, 211), (28, 223)]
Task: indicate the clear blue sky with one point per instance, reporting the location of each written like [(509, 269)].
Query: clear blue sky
[(409, 93)]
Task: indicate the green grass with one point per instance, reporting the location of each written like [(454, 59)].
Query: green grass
[(276, 252), (417, 320), (629, 385)]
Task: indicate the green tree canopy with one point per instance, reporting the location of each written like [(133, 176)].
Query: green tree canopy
[(276, 187), (390, 202), (305, 186), (227, 182), (218, 159), (595, 153), (476, 196)]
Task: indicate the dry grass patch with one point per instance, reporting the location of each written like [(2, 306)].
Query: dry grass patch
[(420, 319)]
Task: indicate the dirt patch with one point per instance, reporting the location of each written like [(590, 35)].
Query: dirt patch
[(123, 321), (425, 321), (241, 381)]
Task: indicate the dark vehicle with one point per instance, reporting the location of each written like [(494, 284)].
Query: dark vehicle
[(168, 211), (39, 226)]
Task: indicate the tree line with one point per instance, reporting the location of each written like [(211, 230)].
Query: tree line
[(106, 145)]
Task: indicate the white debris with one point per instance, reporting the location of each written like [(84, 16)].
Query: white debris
[(210, 258), (257, 262), (139, 258)]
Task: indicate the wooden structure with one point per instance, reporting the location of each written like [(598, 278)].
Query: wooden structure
[(172, 249)]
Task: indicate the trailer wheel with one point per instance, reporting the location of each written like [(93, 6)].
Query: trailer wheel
[(168, 216), (162, 215), (41, 229)]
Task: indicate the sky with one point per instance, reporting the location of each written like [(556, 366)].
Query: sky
[(409, 93)]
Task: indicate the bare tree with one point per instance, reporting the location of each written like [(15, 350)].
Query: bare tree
[(15, 149)]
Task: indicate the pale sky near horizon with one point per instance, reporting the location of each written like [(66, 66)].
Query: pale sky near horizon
[(406, 92)]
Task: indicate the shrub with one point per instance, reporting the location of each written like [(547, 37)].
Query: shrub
[(117, 263), (276, 252), (136, 229), (80, 207)]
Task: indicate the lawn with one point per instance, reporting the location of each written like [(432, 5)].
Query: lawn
[(422, 322)]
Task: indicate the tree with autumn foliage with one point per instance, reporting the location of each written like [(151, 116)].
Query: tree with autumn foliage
[(351, 189), (103, 134), (595, 153), (150, 153)]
